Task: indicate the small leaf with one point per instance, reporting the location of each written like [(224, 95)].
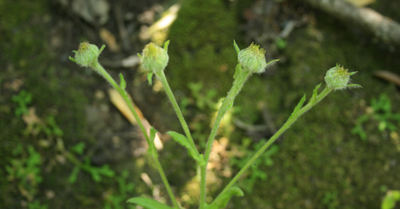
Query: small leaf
[(149, 78), (270, 63), (166, 46), (181, 139), (148, 203), (300, 104), (123, 83), (238, 71), (315, 94), (236, 47), (152, 147), (78, 148), (225, 197)]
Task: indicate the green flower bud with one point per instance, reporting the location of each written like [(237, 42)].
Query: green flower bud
[(87, 54), (337, 78), (154, 58), (253, 58)]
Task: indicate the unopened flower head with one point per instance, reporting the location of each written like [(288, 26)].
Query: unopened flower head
[(87, 54), (154, 58), (253, 58), (338, 78)]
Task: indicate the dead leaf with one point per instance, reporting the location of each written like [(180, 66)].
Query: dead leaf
[(361, 3), (120, 104), (109, 39), (388, 76)]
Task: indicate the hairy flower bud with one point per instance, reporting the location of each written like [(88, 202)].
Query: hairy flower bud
[(253, 58), (337, 78), (87, 54), (154, 58)]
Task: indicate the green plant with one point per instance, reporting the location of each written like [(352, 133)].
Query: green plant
[(95, 172), (381, 112), (390, 199), (25, 170), (115, 199), (154, 60), (22, 99), (255, 173)]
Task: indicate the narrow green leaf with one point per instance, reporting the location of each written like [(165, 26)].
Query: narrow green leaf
[(300, 104), (122, 80), (72, 178), (149, 78), (148, 203), (78, 148), (236, 47), (152, 147), (181, 139), (270, 63), (315, 94), (166, 46), (238, 71), (139, 55), (225, 197)]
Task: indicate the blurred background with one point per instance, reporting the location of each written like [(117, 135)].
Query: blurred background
[(67, 142)]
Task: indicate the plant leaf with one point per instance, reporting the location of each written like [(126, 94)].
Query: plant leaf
[(122, 80), (236, 47), (148, 203), (315, 94), (149, 78), (225, 197), (300, 104), (238, 71), (181, 139)]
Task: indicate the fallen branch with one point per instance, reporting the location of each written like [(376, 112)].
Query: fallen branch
[(368, 19)]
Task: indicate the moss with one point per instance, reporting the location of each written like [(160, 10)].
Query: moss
[(319, 156), (202, 46)]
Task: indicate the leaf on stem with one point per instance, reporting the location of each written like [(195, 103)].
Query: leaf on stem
[(181, 139), (149, 78), (148, 203), (225, 197), (236, 47), (315, 94), (238, 71), (122, 80), (299, 105), (152, 148)]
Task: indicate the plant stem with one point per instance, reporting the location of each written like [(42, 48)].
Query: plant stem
[(178, 112), (285, 126), (127, 100), (226, 105)]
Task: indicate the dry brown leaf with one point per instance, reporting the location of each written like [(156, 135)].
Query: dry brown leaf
[(120, 104), (109, 39), (361, 3), (388, 76)]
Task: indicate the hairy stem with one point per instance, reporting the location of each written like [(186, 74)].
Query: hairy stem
[(127, 100), (285, 126), (175, 105), (226, 105)]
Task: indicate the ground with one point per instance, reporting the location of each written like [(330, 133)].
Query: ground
[(321, 162)]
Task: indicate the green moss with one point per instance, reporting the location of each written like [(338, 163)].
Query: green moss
[(202, 46), (319, 155)]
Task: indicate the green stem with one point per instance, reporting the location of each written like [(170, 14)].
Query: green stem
[(285, 126), (226, 105), (127, 100), (175, 105)]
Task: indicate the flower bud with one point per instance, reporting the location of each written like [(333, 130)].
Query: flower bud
[(338, 78), (154, 58), (87, 54), (253, 58)]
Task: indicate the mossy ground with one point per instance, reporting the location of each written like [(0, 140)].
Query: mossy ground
[(320, 163)]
